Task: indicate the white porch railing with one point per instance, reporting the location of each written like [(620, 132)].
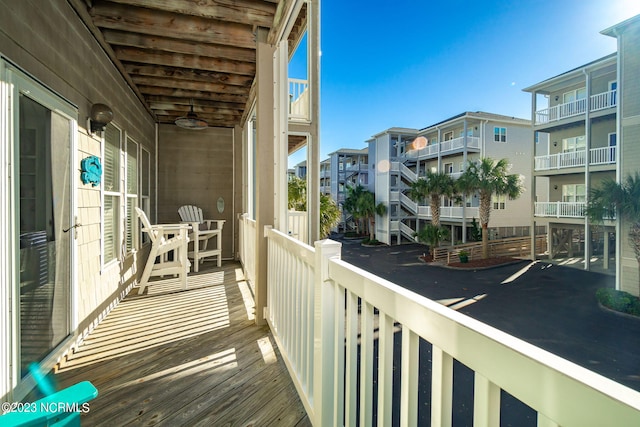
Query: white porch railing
[(572, 159), (602, 155), (408, 231), (247, 250), (444, 147), (411, 175), (408, 203), (297, 225), (560, 209), (325, 315), (298, 99), (449, 212), (597, 102)]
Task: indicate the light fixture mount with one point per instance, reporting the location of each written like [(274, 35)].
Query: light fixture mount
[(191, 121)]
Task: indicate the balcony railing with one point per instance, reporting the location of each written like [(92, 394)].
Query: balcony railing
[(326, 314), (445, 147), (572, 159), (600, 101), (560, 209), (449, 212), (298, 99)]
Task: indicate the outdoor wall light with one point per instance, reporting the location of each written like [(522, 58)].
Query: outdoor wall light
[(555, 143), (191, 121), (100, 116), (555, 187), (557, 97)]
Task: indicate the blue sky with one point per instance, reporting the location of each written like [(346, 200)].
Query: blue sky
[(414, 63)]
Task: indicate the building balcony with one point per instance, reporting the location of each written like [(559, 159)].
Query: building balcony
[(449, 212), (346, 336), (573, 159), (560, 209), (299, 100), (598, 102), (452, 146), (336, 333)]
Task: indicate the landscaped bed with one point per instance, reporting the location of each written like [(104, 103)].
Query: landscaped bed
[(477, 263)]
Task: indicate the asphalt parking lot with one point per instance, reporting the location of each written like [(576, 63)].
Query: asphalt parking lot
[(550, 306)]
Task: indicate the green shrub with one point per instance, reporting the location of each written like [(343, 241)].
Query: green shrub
[(620, 301)]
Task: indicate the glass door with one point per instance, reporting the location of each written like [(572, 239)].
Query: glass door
[(43, 236)]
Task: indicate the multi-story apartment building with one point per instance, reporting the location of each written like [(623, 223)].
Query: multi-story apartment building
[(591, 114), (325, 177), (404, 155), (346, 168)]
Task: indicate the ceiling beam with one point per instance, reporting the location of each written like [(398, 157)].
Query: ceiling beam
[(186, 74), (162, 102), (153, 22), (145, 41), (193, 94), (131, 54), (188, 85), (250, 12)]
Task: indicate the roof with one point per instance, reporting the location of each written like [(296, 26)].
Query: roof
[(614, 30), (351, 151), (478, 115), (394, 130), (601, 62)]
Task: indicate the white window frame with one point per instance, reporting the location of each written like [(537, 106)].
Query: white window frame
[(574, 193), (571, 144), (145, 190), (448, 168), (116, 194), (499, 134), (498, 202), (130, 222), (447, 136)]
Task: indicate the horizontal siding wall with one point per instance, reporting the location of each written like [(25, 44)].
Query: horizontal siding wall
[(49, 41), (197, 168)]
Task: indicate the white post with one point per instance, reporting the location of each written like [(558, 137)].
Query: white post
[(324, 344), (409, 383), (442, 388), (486, 403)]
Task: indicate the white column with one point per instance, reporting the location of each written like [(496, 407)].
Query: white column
[(265, 187), (324, 326)]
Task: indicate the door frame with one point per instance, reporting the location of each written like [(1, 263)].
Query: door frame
[(13, 81)]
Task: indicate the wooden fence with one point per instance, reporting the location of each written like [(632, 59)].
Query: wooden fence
[(519, 247)]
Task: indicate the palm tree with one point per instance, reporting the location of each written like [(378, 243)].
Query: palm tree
[(488, 178), (353, 204), (432, 187), (329, 215), (611, 198), (297, 194), (432, 235), (361, 203), (329, 212)]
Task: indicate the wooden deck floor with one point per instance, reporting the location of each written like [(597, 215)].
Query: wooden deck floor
[(190, 357)]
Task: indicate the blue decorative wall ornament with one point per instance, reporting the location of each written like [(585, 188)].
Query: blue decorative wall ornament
[(91, 171)]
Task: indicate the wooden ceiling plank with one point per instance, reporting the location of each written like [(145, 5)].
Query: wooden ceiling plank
[(146, 41), (211, 116), (241, 11), (161, 102), (185, 74), (192, 94), (189, 85), (131, 54), (154, 22), (197, 108)]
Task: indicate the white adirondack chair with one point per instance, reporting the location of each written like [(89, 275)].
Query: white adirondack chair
[(203, 230), (161, 245)]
